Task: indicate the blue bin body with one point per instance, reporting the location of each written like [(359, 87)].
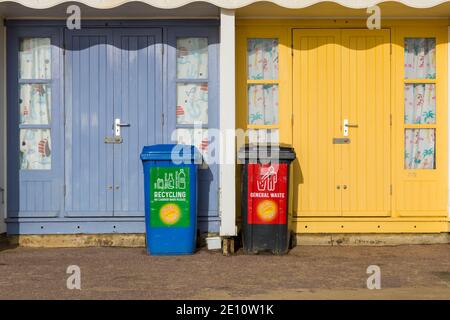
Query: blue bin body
[(179, 238)]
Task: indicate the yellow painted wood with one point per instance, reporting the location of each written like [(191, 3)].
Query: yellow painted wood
[(317, 110), (420, 192), (340, 23), (366, 173), (387, 226), (419, 199), (337, 75)]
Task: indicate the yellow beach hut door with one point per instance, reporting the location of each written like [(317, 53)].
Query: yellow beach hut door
[(341, 85)]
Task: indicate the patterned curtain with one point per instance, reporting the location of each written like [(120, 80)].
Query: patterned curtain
[(35, 100), (192, 58), (34, 58), (262, 59), (420, 103), (419, 148), (263, 104), (420, 58), (35, 149)]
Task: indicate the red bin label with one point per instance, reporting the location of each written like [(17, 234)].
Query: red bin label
[(267, 193)]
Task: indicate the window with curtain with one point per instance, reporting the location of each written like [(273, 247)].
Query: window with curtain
[(262, 90), (420, 103), (35, 104), (192, 93)]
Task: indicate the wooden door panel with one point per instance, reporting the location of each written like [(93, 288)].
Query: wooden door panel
[(137, 102), (366, 103), (317, 110), (89, 113)]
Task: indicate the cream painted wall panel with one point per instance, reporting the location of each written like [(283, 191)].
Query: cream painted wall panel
[(227, 123)]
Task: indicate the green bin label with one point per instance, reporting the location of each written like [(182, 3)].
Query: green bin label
[(169, 197)]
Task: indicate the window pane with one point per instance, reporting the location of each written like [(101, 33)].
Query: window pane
[(35, 149), (192, 103), (35, 104), (420, 103), (192, 58), (263, 104), (34, 58), (420, 58), (263, 136), (197, 137), (420, 149), (262, 59)]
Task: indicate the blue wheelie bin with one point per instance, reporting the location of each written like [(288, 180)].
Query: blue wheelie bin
[(170, 181)]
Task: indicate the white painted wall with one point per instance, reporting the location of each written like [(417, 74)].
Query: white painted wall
[(2, 125), (227, 123)]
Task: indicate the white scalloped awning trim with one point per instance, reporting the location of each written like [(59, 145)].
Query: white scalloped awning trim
[(227, 4)]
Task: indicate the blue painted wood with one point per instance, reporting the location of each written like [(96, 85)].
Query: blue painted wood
[(34, 193), (85, 225), (208, 186), (108, 73), (138, 102), (116, 23), (89, 118)]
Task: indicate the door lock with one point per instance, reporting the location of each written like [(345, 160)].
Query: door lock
[(345, 187)]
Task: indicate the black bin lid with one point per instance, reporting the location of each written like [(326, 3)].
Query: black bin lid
[(251, 151)]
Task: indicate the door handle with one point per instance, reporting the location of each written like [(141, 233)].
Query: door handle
[(348, 125), (118, 125)]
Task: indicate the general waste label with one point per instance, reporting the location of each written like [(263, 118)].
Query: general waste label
[(267, 196), (169, 197)]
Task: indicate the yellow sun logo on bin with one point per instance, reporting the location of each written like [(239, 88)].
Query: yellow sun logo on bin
[(170, 213), (267, 210)]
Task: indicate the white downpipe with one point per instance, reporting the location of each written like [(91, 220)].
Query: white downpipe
[(227, 124)]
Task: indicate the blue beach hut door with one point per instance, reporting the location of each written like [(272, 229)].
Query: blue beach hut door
[(113, 99)]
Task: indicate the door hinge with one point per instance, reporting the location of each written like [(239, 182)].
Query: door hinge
[(390, 48), (162, 119), (390, 189), (162, 49), (65, 191), (2, 190), (292, 49), (292, 120), (390, 119)]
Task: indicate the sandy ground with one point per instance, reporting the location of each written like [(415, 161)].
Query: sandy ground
[(407, 272)]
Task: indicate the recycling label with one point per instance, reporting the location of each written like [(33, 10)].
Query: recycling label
[(169, 197)]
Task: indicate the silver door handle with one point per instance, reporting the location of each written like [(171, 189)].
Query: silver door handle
[(3, 195), (348, 125), (118, 125)]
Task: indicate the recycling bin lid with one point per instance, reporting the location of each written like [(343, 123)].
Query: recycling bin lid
[(266, 152), (165, 151)]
